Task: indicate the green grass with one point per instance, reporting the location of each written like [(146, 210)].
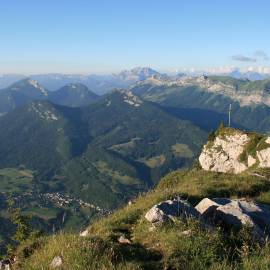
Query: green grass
[(105, 168), (43, 213), (251, 147), (165, 247), (13, 180)]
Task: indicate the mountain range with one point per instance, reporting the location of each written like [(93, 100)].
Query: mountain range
[(206, 100), (26, 90), (72, 155), (100, 84), (103, 83), (103, 153)]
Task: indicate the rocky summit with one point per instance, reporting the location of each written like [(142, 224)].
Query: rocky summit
[(231, 150)]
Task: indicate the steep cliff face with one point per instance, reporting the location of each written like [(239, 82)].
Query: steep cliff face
[(233, 151)]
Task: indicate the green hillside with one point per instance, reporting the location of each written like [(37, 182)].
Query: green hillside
[(166, 247), (103, 154), (73, 95)]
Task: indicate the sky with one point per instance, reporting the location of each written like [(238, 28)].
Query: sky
[(102, 36)]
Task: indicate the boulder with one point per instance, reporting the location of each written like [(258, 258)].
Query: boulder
[(167, 210), (56, 262), (232, 214), (84, 233), (205, 204), (223, 212), (207, 208), (123, 240), (236, 213), (259, 213)]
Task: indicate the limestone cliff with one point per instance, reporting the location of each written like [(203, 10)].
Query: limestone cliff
[(230, 150)]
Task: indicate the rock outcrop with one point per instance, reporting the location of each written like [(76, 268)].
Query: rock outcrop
[(222, 212), (170, 209), (236, 213), (229, 151)]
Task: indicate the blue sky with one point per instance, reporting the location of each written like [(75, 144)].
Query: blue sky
[(74, 36)]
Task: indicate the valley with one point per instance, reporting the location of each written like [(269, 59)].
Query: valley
[(70, 157), (134, 135)]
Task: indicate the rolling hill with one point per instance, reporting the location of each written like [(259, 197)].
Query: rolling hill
[(103, 153), (27, 90), (73, 95)]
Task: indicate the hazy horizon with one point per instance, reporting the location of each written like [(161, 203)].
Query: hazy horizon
[(86, 37)]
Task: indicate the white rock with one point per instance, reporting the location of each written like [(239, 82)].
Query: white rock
[(223, 155), (123, 240), (267, 140), (205, 204), (56, 262), (35, 84), (264, 158), (84, 233), (251, 161), (187, 232)]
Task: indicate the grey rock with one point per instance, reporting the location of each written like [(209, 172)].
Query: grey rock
[(232, 214), (167, 210), (236, 213), (259, 213), (123, 240)]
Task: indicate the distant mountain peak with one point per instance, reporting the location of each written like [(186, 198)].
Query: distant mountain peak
[(77, 85), (73, 95), (29, 83), (36, 85), (128, 97), (137, 74)]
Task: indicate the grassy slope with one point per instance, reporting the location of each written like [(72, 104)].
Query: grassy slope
[(165, 247), (15, 180)]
